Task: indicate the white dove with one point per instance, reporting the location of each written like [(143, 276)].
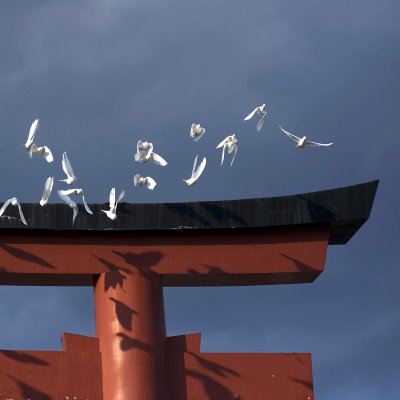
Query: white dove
[(196, 172), (70, 203), (48, 156), (14, 202), (112, 212), (196, 132), (48, 187), (303, 142), (145, 153), (260, 110), (66, 166), (230, 143), (64, 195), (147, 181), (33, 148)]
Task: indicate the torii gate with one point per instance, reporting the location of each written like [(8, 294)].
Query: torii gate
[(263, 241)]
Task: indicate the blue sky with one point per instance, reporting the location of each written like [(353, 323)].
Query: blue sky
[(101, 75)]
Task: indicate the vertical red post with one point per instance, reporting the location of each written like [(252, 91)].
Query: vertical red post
[(130, 325)]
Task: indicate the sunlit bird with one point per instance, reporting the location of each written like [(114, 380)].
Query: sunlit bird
[(32, 148), (196, 132), (230, 143), (112, 212), (303, 142), (196, 172), (66, 166), (48, 187), (145, 153), (147, 181), (64, 195), (260, 110), (14, 202)]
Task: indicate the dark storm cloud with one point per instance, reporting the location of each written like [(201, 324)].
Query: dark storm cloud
[(102, 74)]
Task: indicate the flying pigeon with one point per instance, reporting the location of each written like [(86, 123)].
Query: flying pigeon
[(64, 195), (260, 110), (112, 212), (14, 202), (66, 166), (33, 148), (48, 187), (303, 142), (196, 172), (230, 143), (145, 153), (147, 181), (196, 132)]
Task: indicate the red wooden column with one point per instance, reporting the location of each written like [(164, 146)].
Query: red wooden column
[(130, 325)]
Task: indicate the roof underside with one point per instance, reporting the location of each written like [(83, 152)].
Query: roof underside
[(345, 209)]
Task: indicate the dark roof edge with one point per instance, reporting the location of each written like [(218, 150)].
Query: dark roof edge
[(345, 209)]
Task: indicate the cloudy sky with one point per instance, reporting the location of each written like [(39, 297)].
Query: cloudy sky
[(100, 75)]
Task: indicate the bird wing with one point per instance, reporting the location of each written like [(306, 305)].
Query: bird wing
[(293, 137), (310, 143), (223, 142), (223, 154), (234, 154), (112, 198), (150, 183), (21, 214), (200, 169), (86, 206), (158, 159), (251, 114), (121, 195), (48, 187), (137, 180), (32, 132), (47, 154), (66, 165), (5, 205), (194, 166), (67, 200), (261, 122)]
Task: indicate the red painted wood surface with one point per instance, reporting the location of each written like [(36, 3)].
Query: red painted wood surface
[(50, 375), (198, 258)]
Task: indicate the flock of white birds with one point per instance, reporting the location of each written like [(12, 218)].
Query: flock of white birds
[(144, 154)]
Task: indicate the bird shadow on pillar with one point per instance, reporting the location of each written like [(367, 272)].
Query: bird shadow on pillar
[(212, 387), (124, 313), (29, 392), (142, 262), (307, 384), (127, 343), (26, 256), (23, 357), (300, 265), (114, 277)]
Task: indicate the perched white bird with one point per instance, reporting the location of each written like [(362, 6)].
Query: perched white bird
[(196, 172), (33, 148), (145, 153), (64, 195), (14, 202), (260, 110), (66, 166), (196, 132), (112, 212), (230, 143), (48, 187), (147, 181), (303, 142)]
